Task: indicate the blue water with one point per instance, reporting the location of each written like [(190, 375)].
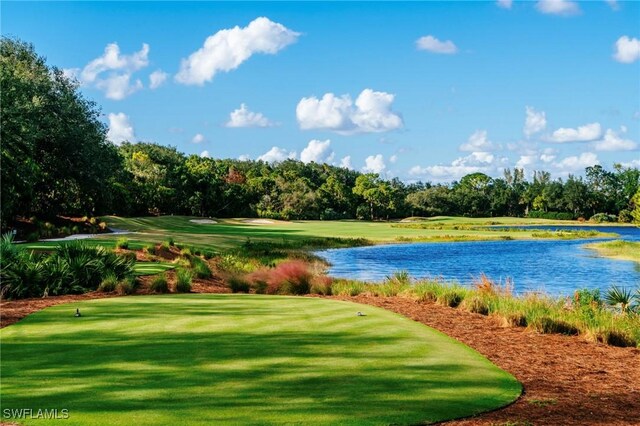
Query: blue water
[(557, 267)]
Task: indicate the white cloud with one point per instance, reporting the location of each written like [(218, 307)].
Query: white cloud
[(120, 128), (276, 155), (526, 162), (374, 164), (243, 117), (535, 122), (118, 87), (547, 158), (244, 157), (393, 159), (112, 71), (228, 48), (614, 142), (588, 132), (345, 163), (198, 138), (505, 4), (613, 4), (627, 50), (371, 113), (432, 44), (157, 79), (632, 164), (478, 141), (558, 7), (205, 154), (484, 162), (577, 163), (317, 151)]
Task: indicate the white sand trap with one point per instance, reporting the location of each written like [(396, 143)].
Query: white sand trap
[(203, 221), (259, 221)]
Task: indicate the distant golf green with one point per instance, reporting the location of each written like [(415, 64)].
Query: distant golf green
[(241, 359), (151, 268)]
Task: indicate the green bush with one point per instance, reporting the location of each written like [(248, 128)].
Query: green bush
[(160, 284), (125, 287), (625, 216), (122, 243), (536, 214), (476, 304), (200, 267), (238, 284), (109, 283), (183, 280), (32, 237), (165, 245), (150, 248), (603, 218)]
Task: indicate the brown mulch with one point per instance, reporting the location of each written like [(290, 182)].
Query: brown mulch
[(567, 381)]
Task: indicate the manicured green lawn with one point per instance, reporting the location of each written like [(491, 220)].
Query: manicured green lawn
[(241, 359), (231, 233), (151, 268)]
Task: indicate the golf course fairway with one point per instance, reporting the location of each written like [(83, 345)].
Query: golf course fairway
[(240, 359)]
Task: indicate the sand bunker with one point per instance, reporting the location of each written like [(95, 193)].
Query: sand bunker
[(259, 221), (202, 221)]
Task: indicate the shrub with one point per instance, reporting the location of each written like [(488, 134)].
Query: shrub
[(185, 252), (165, 245), (321, 285), (548, 325), (200, 267), (102, 226), (603, 218), (625, 216), (109, 283), (291, 277), (451, 296), (208, 254), (128, 255), (620, 296), (122, 243), (476, 304), (172, 242), (32, 237), (238, 284), (426, 291), (348, 288), (126, 286), (160, 284), (183, 280), (150, 248)]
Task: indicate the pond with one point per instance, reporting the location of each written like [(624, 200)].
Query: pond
[(556, 267)]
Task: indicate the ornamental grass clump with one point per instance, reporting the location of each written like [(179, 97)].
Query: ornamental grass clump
[(160, 284), (343, 287), (184, 278)]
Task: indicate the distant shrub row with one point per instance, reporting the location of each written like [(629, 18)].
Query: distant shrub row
[(536, 214)]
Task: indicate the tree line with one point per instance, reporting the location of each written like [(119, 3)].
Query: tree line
[(56, 160)]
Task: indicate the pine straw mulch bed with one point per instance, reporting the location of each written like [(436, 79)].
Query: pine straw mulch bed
[(567, 381)]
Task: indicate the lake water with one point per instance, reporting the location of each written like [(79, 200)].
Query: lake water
[(557, 267)]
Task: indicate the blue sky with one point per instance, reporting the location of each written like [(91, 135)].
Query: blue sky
[(429, 90)]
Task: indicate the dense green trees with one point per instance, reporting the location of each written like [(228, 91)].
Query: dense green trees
[(56, 161), (55, 158)]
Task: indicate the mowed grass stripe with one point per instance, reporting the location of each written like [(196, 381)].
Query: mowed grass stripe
[(147, 268), (242, 359)]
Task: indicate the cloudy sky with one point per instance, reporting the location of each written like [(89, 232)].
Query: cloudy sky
[(429, 91)]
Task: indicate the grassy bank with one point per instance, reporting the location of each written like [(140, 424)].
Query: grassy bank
[(231, 234), (618, 249), (613, 318), (241, 359)]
